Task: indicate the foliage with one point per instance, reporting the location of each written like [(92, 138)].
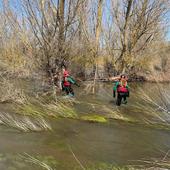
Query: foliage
[(43, 35)]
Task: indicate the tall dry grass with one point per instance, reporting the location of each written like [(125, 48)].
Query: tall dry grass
[(10, 93), (155, 101), (24, 123)]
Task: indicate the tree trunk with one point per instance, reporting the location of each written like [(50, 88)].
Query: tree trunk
[(61, 29), (125, 37), (98, 31)]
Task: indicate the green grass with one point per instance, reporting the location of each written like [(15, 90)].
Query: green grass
[(39, 107), (94, 118)]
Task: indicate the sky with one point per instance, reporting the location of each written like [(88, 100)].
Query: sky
[(15, 5), (168, 27)]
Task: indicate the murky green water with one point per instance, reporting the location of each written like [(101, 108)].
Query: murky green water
[(92, 143)]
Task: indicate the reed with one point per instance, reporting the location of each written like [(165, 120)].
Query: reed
[(28, 158), (155, 103), (24, 123)]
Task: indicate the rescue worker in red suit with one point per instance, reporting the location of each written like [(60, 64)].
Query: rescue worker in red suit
[(122, 90), (67, 83)]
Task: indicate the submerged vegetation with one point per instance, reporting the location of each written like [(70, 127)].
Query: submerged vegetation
[(49, 163), (94, 118)]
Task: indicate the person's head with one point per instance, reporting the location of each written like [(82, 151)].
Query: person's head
[(63, 67), (66, 73), (123, 77)]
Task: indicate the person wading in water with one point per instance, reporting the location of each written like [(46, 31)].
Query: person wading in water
[(122, 89), (67, 82)]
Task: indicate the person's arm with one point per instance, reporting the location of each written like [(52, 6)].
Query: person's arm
[(115, 86), (114, 78), (72, 81), (61, 84), (115, 89), (128, 94)]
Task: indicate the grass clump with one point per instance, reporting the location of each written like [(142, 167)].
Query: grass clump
[(40, 107), (31, 109), (94, 118), (43, 162), (24, 123), (61, 110)]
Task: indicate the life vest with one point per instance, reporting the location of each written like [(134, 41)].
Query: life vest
[(122, 88), (66, 83)]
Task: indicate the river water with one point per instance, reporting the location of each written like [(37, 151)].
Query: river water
[(116, 142)]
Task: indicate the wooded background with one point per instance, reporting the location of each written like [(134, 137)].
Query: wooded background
[(93, 38)]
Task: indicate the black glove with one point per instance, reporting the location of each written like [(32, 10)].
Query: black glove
[(77, 85), (128, 94)]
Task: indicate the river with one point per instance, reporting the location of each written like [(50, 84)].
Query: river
[(115, 142)]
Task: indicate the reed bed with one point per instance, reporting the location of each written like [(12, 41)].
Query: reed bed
[(24, 123)]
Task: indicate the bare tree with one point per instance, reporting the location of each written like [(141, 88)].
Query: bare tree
[(61, 28), (74, 31), (136, 25), (51, 26)]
